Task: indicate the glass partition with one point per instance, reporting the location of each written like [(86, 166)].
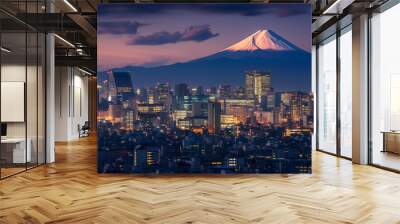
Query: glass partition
[(41, 97), (385, 89), (346, 92), (327, 95), (13, 94), (31, 98), (22, 77)]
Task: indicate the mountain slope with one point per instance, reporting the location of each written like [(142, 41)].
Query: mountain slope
[(264, 50), (263, 40)]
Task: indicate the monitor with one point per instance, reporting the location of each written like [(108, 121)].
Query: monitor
[(3, 129)]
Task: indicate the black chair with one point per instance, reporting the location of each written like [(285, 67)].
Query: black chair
[(84, 130)]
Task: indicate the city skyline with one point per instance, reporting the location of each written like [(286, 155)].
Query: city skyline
[(205, 115)]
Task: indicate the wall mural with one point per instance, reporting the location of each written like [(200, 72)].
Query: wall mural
[(204, 88)]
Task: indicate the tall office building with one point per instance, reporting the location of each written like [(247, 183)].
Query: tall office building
[(214, 117), (123, 84), (225, 91), (271, 101), (199, 105), (249, 84), (141, 94), (110, 87), (296, 107), (163, 95), (199, 109), (258, 85), (181, 90), (212, 91), (197, 91), (126, 99), (240, 93), (162, 92)]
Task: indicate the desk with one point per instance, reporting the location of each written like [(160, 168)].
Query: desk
[(391, 141), (13, 150)]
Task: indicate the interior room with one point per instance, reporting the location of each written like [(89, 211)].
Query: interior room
[(384, 89), (22, 102), (72, 112), (248, 111)]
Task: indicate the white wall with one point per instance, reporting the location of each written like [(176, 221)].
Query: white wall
[(17, 73), (14, 73), (62, 82), (71, 102), (33, 126), (80, 112), (50, 94)]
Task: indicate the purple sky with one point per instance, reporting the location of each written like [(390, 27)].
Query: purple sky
[(159, 34)]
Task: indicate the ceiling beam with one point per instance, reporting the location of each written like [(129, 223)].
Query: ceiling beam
[(79, 61), (86, 26)]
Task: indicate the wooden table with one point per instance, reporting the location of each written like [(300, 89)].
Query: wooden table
[(13, 150), (391, 141)]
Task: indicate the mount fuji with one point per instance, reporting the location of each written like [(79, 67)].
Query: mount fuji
[(263, 40), (263, 50)]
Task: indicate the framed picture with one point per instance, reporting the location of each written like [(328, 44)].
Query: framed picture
[(204, 88)]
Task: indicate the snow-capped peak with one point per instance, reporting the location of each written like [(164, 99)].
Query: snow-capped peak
[(262, 40)]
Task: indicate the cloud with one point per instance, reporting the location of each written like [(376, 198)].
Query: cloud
[(118, 27), (192, 33), (245, 9), (198, 33), (158, 38)]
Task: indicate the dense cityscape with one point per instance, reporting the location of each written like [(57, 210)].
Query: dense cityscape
[(177, 128)]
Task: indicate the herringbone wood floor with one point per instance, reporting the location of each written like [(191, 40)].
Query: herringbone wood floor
[(70, 191)]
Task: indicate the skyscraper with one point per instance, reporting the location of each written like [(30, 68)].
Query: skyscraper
[(225, 91), (197, 91), (199, 109), (123, 84), (181, 90), (126, 100), (163, 95), (163, 92), (258, 85), (214, 117), (249, 84)]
